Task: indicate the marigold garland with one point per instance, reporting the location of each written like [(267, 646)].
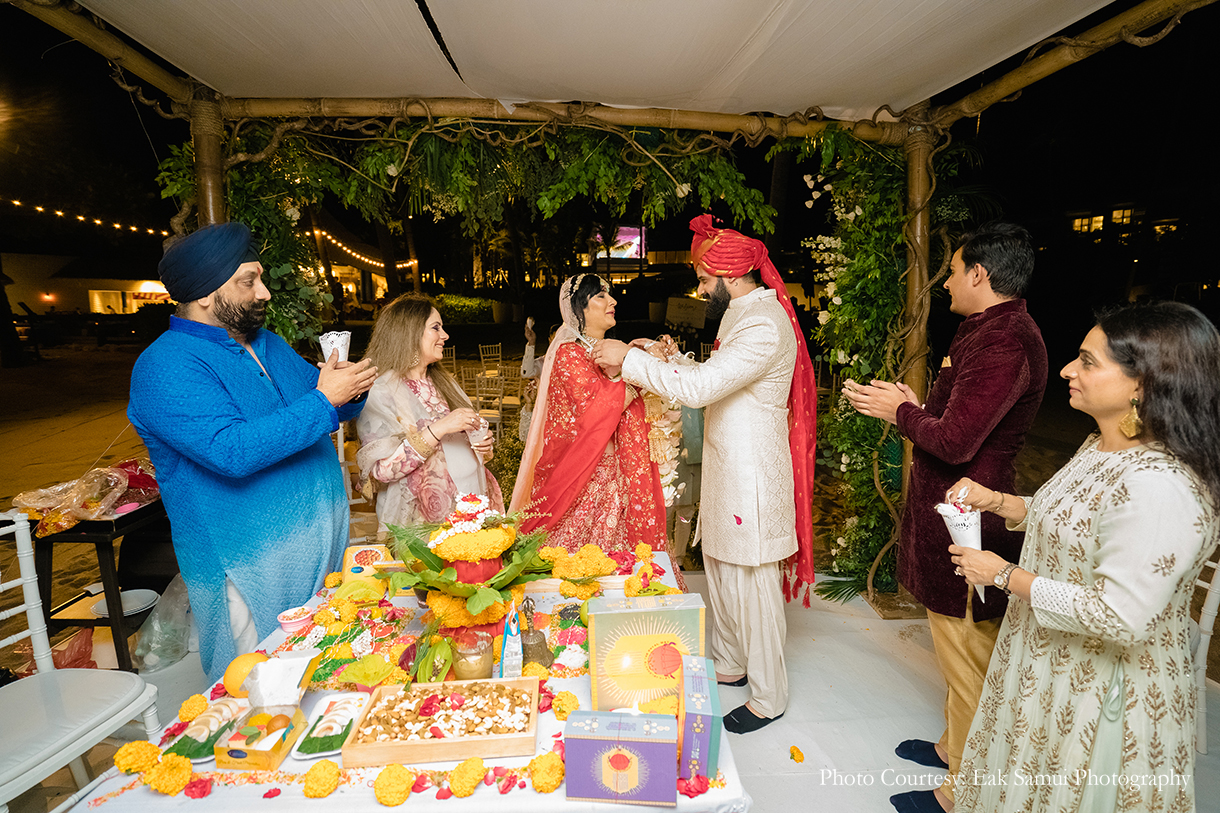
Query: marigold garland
[(137, 757), (590, 561), (192, 707), (321, 779), (170, 775), (451, 610), (546, 772), (473, 547), (324, 618), (583, 592), (564, 704), (393, 785), (466, 777)]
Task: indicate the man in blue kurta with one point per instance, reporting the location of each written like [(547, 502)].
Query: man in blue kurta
[(237, 425)]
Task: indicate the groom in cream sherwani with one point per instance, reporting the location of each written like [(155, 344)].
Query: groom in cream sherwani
[(753, 502)]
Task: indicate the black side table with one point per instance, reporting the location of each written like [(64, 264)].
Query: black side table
[(101, 533)]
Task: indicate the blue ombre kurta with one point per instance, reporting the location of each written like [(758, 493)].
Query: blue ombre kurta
[(247, 471)]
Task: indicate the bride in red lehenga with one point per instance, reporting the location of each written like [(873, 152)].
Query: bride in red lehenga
[(586, 469)]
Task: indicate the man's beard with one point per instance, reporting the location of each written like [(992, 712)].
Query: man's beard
[(718, 301), (239, 320)]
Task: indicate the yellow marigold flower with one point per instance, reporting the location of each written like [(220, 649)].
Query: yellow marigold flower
[(643, 553), (472, 547), (552, 553), (662, 705), (397, 676), (564, 704), (346, 610), (376, 612), (336, 628), (333, 579), (673, 591), (466, 777), (395, 652), (546, 772), (393, 785), (795, 754), (580, 591), (537, 670), (192, 707), (170, 775), (635, 582), (451, 610), (497, 647), (137, 757), (322, 779), (588, 561), (340, 652), (324, 618)]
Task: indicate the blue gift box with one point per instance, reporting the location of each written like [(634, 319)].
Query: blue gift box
[(699, 720), (624, 758)]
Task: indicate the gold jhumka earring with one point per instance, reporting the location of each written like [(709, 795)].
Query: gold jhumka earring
[(1131, 425), (414, 360)]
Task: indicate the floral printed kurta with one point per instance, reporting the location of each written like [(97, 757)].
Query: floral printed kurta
[(620, 505), (1123, 535)]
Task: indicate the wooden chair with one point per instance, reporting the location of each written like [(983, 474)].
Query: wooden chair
[(489, 400), (1207, 624), (55, 716), (705, 350), (510, 374), (490, 354), (347, 467), (449, 360), (468, 378)]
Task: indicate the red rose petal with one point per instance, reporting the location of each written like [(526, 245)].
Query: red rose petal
[(271, 794), (218, 691), (198, 788), (172, 731), (695, 786), (489, 779), (456, 701), (508, 783), (521, 784), (737, 518), (444, 793), (436, 732), (561, 749), (499, 770), (422, 782)]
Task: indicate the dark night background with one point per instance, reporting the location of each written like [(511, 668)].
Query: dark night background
[(1125, 128)]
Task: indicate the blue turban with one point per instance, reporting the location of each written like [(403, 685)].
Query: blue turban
[(198, 264)]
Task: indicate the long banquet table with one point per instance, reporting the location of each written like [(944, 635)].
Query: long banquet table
[(236, 790)]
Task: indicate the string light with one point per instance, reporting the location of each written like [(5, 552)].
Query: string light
[(357, 255), (85, 219)]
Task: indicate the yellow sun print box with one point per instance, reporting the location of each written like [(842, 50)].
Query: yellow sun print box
[(636, 646)]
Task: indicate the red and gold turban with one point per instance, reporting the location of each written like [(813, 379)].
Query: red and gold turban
[(729, 253)]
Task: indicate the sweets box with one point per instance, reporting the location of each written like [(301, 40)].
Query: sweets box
[(699, 720), (256, 758), (636, 646), (621, 757)]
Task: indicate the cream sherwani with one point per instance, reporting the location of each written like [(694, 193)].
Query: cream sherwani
[(747, 513)]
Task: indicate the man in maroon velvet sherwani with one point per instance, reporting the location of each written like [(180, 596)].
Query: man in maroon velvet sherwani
[(974, 422)]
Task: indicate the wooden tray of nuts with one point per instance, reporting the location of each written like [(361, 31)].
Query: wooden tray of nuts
[(445, 722)]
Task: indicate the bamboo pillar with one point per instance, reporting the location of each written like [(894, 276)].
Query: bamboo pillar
[(207, 132), (918, 148)]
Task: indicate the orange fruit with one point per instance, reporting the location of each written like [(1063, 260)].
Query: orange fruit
[(235, 674)]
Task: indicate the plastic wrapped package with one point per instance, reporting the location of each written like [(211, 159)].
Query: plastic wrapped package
[(165, 634)]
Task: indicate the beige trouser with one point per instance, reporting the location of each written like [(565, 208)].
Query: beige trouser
[(963, 650), (748, 629)]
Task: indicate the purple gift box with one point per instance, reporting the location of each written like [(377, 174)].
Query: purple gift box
[(699, 720), (619, 757)]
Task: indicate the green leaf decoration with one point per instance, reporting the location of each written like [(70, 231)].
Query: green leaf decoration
[(318, 745), (483, 598)]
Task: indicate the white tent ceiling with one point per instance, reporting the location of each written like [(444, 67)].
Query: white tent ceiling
[(730, 56)]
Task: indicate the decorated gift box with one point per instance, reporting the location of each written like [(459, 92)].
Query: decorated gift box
[(619, 757), (636, 646), (699, 720)]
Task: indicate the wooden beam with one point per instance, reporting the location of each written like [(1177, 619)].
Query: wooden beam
[(82, 29), (1130, 22), (884, 132)]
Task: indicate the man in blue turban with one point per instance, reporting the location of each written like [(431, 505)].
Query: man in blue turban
[(238, 426)]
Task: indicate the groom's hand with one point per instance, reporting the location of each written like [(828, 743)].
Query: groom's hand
[(609, 353)]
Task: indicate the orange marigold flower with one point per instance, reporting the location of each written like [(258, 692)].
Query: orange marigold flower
[(393, 785), (533, 669), (170, 775), (333, 579), (643, 552), (580, 591), (324, 618), (137, 757), (322, 779), (346, 610), (466, 777), (546, 772), (795, 754), (192, 707), (340, 652), (451, 610), (564, 704)]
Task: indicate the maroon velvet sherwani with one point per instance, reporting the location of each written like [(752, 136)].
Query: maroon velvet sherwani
[(974, 423)]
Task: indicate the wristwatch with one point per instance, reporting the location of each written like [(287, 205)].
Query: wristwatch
[(1001, 578)]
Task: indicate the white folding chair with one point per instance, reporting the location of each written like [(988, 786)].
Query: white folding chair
[(1207, 623), (705, 350), (468, 378), (489, 400), (346, 467), (489, 354), (55, 716), (510, 374)]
